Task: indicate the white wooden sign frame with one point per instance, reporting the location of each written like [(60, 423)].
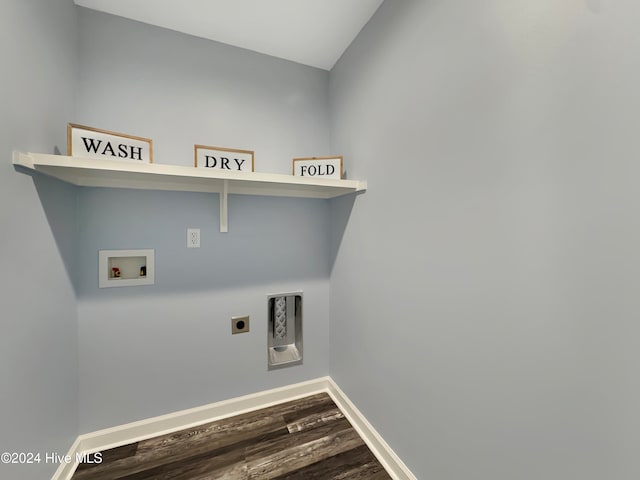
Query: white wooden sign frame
[(219, 158), (318, 167), (90, 142)]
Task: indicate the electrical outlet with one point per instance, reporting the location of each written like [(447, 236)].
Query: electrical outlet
[(239, 324), (193, 238)]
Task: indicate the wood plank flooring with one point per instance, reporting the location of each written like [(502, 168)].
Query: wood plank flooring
[(304, 439)]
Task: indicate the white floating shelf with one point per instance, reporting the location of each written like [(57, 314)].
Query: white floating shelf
[(119, 174)]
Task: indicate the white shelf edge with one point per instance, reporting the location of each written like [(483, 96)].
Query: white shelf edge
[(86, 172), (113, 173)]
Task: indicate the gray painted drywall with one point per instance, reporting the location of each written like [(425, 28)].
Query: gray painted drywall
[(151, 350), (38, 324), (489, 276), (181, 90)]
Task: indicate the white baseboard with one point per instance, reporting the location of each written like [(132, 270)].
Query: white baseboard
[(383, 452), (152, 427)]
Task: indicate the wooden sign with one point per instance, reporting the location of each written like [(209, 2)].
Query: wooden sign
[(217, 158), (95, 143), (320, 167)]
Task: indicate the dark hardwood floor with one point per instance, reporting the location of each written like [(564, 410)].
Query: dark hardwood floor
[(301, 440)]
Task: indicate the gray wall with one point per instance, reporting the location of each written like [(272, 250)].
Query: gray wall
[(488, 279), (182, 90), (151, 350), (38, 324)]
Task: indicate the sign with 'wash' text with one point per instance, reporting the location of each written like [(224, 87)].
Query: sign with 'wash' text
[(230, 159), (318, 167), (95, 143)]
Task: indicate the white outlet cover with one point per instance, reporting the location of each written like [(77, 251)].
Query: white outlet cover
[(193, 238)]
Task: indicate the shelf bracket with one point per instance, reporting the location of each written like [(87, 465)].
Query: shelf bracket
[(224, 225)]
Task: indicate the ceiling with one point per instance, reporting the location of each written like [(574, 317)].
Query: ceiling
[(311, 32)]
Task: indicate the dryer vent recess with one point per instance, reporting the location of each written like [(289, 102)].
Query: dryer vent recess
[(284, 335)]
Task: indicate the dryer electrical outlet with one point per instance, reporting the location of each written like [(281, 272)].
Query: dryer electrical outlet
[(239, 324)]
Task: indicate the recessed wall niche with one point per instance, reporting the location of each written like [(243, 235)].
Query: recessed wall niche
[(126, 268)]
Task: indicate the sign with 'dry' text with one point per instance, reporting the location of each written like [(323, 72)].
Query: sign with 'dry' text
[(230, 159), (319, 167), (95, 143)]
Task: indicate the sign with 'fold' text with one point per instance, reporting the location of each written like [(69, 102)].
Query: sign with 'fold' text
[(96, 143), (318, 167), (229, 159)]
